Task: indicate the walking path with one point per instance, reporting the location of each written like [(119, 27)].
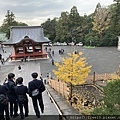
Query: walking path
[(27, 69), (39, 66)]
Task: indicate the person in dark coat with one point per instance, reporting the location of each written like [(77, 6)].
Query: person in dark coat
[(41, 77), (19, 68), (7, 106), (53, 52), (4, 107), (35, 89), (11, 95), (0, 56), (52, 62), (22, 99)]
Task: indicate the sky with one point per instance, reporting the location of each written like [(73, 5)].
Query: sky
[(35, 12)]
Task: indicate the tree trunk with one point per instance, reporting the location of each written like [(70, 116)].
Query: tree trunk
[(71, 93), (93, 77)]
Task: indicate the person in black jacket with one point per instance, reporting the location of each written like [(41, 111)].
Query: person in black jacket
[(4, 107), (35, 89), (19, 68), (11, 95), (7, 106), (22, 99)]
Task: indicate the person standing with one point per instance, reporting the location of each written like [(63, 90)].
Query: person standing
[(19, 68), (12, 96), (22, 99), (2, 61), (35, 89), (46, 49), (47, 76), (52, 62), (0, 56), (41, 77), (4, 103), (53, 52), (7, 105), (0, 67), (49, 49)]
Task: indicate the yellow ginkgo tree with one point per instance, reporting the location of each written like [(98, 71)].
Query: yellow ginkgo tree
[(73, 69)]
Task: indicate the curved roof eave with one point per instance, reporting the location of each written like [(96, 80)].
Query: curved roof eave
[(19, 33), (42, 41), (10, 42)]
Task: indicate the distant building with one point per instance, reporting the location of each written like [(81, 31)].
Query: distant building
[(2, 37), (119, 43), (27, 42)]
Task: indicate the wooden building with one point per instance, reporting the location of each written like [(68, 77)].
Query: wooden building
[(27, 42)]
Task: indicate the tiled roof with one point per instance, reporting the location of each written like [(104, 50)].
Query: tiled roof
[(18, 33)]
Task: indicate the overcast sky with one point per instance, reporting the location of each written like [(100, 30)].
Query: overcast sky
[(35, 12)]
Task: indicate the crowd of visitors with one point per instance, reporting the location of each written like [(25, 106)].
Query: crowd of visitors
[(13, 96)]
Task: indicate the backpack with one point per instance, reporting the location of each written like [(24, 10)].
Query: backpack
[(3, 99), (20, 98)]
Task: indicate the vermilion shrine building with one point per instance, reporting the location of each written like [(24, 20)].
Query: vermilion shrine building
[(27, 42)]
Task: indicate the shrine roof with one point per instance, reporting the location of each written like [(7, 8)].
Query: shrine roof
[(18, 33)]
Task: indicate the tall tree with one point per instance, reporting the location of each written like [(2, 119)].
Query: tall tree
[(10, 18), (74, 17), (62, 30), (75, 22), (115, 20), (101, 19), (73, 70), (10, 21), (85, 28), (49, 28)]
